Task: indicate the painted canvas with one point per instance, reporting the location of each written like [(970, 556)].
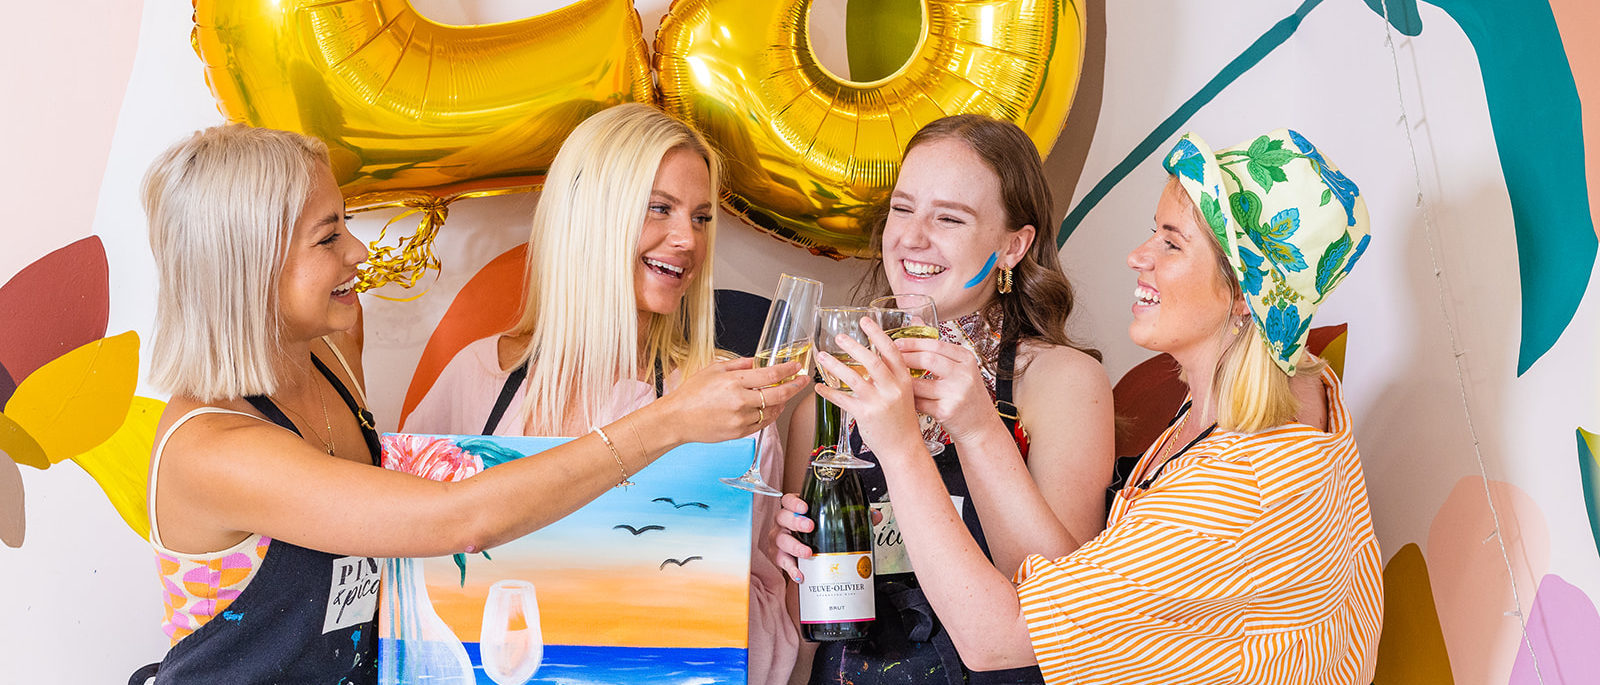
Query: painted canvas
[(647, 584)]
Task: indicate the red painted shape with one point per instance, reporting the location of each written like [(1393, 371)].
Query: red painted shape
[(488, 304), (1149, 395), (53, 306)]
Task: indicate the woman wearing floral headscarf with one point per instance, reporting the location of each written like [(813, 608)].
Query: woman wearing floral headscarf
[(1241, 550)]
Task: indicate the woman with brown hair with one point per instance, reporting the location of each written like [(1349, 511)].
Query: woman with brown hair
[(969, 224)]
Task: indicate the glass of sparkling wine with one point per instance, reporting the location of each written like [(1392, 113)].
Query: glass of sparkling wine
[(911, 316), (512, 641), (786, 336), (831, 322)]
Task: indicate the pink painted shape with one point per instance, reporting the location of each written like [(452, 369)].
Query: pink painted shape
[(70, 65), (54, 306), (1564, 629), (1577, 19), (1468, 575)]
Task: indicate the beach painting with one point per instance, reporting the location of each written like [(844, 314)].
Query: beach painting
[(647, 585)]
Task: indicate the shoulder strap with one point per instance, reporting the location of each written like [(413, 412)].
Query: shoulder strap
[(507, 391), (661, 379), (369, 432), (356, 385), (155, 459)]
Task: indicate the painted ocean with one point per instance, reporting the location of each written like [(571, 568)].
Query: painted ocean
[(584, 665)]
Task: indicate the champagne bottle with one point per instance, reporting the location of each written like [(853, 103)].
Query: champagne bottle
[(836, 595)]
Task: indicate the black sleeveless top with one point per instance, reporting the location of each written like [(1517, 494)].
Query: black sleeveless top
[(306, 617), (907, 644)]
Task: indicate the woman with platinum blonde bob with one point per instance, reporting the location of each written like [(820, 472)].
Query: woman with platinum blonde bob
[(265, 496), (1241, 549), (617, 315)]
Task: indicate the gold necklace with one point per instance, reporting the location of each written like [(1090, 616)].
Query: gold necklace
[(327, 443)]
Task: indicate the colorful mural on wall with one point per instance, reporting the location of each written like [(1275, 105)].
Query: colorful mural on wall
[(1492, 540)]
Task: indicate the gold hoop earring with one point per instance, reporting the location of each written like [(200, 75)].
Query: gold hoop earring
[(1003, 283)]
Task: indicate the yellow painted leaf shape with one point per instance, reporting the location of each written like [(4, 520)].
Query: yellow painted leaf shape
[(79, 399), (1412, 648), (121, 465), (22, 447), (1334, 353)]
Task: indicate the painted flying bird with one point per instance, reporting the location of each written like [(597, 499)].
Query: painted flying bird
[(675, 505), (637, 531), (675, 561)]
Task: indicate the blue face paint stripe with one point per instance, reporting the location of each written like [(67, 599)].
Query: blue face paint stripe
[(984, 273)]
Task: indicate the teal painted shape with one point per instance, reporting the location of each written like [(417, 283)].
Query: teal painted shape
[(880, 35), (1589, 469), (1538, 131), (1537, 122), (1269, 41), (1403, 15)]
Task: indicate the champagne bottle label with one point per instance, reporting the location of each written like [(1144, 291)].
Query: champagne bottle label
[(837, 588)]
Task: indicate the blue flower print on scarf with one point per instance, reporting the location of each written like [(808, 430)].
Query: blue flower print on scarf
[(1284, 328), (1253, 271), (1341, 185), (1185, 160), (1273, 239), (1360, 248)]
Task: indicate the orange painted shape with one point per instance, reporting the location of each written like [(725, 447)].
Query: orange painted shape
[(1468, 574), (121, 464), (79, 399), (488, 304), (1576, 20), (1412, 648)]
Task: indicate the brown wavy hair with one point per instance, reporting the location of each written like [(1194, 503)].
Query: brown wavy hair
[(1041, 299)]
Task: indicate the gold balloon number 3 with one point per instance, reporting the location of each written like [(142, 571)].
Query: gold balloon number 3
[(417, 114)]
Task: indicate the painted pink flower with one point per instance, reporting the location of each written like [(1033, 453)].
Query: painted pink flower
[(432, 458)]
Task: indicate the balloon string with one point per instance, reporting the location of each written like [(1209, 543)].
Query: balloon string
[(1459, 355)]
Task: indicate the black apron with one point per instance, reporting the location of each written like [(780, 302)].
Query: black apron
[(274, 632), (906, 643)]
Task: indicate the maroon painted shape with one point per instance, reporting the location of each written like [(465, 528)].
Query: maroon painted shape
[(53, 306), (8, 386), (1146, 398)]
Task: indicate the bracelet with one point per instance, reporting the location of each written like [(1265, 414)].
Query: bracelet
[(614, 455)]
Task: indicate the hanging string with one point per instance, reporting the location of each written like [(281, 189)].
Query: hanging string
[(1431, 234)]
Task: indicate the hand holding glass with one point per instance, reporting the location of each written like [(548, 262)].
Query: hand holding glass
[(831, 323), (785, 337), (911, 316)]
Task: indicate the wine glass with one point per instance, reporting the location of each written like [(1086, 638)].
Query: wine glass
[(832, 322), (911, 316), (512, 643), (785, 337)]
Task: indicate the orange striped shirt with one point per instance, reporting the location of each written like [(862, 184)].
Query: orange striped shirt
[(1251, 559)]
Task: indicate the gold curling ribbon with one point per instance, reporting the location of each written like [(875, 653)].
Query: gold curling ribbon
[(412, 257)]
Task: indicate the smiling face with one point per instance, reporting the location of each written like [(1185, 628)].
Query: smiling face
[(316, 289), (673, 242), (946, 218), (1182, 305)]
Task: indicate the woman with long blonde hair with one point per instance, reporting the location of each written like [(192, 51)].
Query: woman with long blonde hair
[(617, 313), (266, 500)]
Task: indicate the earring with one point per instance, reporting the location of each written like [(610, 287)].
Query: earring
[(1003, 283), (1238, 325)]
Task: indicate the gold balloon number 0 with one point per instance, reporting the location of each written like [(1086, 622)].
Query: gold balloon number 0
[(418, 114)]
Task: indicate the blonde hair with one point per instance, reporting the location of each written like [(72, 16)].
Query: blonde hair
[(220, 206), (580, 310), (1250, 392)]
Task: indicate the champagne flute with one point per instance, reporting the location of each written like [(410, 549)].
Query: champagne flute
[(911, 316), (512, 643), (785, 337), (832, 322)]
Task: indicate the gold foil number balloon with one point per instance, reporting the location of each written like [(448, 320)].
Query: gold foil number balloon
[(417, 113), (808, 152)]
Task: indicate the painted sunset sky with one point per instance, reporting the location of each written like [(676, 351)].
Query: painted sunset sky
[(601, 585)]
